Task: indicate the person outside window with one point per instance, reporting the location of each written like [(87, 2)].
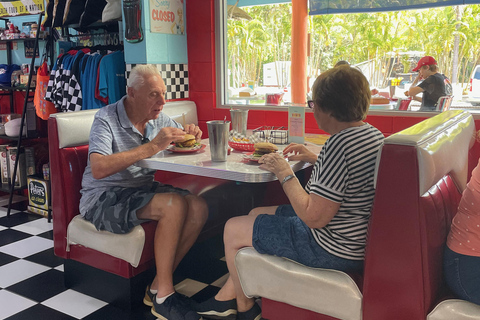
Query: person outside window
[(118, 195), (462, 252), (433, 85), (325, 224)]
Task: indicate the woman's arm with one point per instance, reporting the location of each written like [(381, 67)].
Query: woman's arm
[(314, 210)]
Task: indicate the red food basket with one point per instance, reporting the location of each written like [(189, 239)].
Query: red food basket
[(241, 146)]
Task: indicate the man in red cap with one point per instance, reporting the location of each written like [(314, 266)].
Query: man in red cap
[(433, 85)]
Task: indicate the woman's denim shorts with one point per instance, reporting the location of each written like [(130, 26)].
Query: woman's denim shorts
[(286, 235)]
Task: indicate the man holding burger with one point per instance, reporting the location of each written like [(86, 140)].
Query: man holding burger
[(118, 195), (434, 84)]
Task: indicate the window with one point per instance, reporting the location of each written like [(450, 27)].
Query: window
[(254, 47), (255, 44)]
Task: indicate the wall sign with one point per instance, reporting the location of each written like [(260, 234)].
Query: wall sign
[(21, 7), (167, 16)]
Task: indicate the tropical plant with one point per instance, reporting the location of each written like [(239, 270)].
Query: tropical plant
[(450, 34)]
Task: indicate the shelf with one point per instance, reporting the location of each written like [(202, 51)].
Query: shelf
[(17, 88), (22, 39), (6, 187), (5, 137)]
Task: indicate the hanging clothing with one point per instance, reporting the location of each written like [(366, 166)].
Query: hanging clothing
[(112, 83)]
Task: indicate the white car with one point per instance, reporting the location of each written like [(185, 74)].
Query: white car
[(474, 87)]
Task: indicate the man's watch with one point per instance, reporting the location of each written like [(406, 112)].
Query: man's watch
[(290, 176)]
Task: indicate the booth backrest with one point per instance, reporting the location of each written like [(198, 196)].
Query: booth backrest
[(68, 146), (420, 176)]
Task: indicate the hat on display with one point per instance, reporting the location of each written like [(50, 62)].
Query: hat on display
[(425, 61)]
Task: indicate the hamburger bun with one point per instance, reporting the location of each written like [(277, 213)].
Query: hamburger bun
[(188, 141), (262, 148)]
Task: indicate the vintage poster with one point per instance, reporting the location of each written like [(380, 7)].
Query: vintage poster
[(167, 16), (21, 7)]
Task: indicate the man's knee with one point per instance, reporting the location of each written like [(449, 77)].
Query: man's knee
[(198, 209), (170, 205)]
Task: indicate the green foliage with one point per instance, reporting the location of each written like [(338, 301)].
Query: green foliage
[(355, 38)]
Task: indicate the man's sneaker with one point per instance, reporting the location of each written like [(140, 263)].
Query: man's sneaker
[(214, 309), (173, 308), (255, 313), (148, 298)]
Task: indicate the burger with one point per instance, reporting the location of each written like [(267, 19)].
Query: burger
[(262, 148), (188, 142)]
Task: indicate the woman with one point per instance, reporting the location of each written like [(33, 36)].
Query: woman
[(462, 253), (325, 225)]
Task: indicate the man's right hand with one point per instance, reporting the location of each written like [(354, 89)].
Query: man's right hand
[(166, 136)]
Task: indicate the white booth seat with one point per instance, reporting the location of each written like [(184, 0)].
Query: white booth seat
[(455, 309), (74, 130), (325, 291)]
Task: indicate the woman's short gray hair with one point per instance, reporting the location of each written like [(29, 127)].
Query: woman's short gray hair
[(139, 73)]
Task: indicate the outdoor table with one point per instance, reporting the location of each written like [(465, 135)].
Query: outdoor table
[(236, 168)]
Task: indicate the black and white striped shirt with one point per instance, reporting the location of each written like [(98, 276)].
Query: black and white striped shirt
[(344, 174)]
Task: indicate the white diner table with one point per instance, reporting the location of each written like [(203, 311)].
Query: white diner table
[(236, 168)]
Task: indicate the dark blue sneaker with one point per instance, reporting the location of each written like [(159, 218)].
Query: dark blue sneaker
[(174, 308), (214, 309), (255, 313), (148, 298)]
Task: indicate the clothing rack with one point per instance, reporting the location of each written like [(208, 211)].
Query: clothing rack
[(22, 122)]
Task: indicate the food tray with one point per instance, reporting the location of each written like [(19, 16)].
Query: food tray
[(241, 146), (277, 135)]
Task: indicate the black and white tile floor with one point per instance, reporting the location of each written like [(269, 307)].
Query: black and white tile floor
[(31, 276)]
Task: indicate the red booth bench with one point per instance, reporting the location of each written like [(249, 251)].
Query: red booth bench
[(420, 174), (116, 268)]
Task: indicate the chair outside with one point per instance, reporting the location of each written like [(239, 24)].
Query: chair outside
[(443, 103)]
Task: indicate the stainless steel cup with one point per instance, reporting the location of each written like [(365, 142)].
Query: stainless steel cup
[(218, 131), (239, 120)]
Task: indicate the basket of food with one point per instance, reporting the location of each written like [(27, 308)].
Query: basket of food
[(241, 145)]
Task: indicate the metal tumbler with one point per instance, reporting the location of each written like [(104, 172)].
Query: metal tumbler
[(218, 132)]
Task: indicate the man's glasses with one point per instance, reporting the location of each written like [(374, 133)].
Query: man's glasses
[(310, 104), (145, 140)]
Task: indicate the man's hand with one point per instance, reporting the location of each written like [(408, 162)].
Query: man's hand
[(194, 130), (166, 136)]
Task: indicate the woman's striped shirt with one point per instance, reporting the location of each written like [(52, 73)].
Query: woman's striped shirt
[(344, 174)]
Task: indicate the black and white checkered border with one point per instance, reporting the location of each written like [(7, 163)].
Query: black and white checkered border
[(175, 77)]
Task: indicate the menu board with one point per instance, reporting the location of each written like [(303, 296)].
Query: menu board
[(296, 124), (167, 16)]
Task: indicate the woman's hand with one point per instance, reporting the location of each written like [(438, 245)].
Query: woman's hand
[(275, 163), (300, 153)]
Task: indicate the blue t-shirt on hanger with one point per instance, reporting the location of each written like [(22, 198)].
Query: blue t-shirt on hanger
[(111, 82)]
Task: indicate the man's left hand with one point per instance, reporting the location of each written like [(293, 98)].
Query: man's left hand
[(194, 130)]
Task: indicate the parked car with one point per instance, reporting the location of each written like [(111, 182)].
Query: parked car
[(474, 87)]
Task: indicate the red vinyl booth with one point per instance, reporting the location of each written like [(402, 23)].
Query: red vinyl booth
[(420, 174), (117, 268)]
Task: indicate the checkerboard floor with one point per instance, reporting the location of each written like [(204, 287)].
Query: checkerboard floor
[(31, 276)]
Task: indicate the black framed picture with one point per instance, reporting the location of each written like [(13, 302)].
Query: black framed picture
[(29, 47)]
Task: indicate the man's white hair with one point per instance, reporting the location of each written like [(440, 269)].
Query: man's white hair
[(140, 72)]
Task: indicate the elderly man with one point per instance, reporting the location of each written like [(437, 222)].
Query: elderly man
[(117, 195)]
